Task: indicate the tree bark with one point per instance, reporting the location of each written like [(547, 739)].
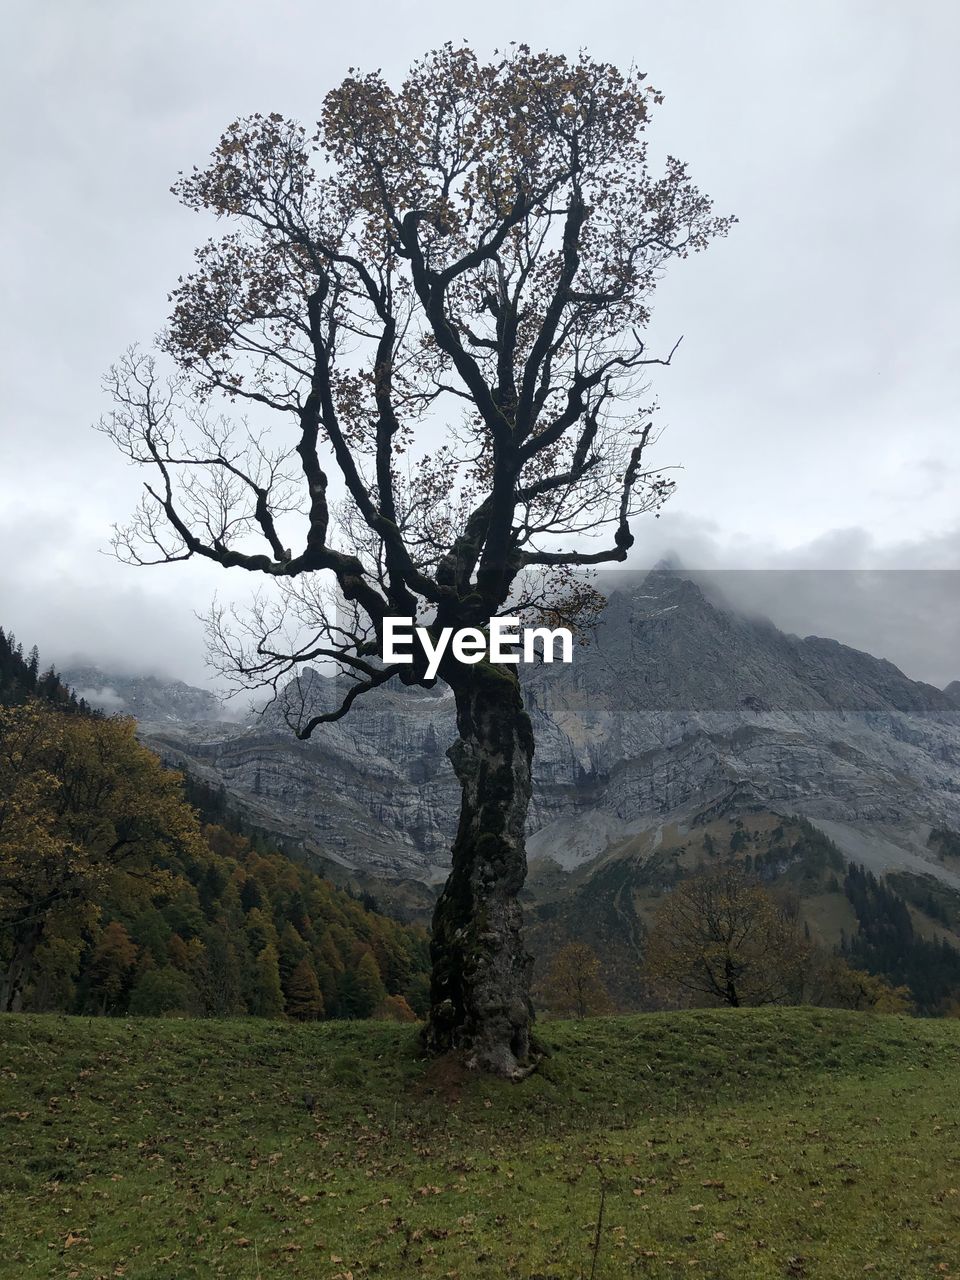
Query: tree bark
[(14, 981), (480, 987)]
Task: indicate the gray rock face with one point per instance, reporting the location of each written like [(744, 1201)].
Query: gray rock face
[(679, 706), (374, 790), (147, 698)]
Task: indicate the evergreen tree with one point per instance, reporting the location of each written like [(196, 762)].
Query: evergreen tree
[(224, 973), (251, 894), (87, 810), (329, 967), (186, 904), (292, 950), (365, 990), (260, 931)]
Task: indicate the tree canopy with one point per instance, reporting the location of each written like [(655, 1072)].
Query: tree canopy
[(719, 934), (442, 289)]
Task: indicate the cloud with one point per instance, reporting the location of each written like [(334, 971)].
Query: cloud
[(899, 601), (80, 607), (105, 698), (812, 404)]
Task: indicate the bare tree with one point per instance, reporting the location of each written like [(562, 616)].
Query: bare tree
[(720, 934), (572, 984), (441, 294)]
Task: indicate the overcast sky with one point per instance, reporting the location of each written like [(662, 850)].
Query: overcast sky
[(813, 403)]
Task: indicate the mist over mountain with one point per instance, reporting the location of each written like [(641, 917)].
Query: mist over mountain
[(146, 698)]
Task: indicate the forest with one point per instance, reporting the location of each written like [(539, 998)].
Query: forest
[(117, 897)]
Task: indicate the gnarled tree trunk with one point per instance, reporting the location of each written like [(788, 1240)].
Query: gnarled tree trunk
[(480, 990)]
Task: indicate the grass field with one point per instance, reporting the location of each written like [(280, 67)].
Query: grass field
[(741, 1143)]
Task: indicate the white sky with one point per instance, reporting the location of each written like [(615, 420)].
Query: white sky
[(812, 405)]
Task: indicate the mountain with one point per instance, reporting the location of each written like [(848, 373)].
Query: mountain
[(679, 710), (373, 791), (148, 699)]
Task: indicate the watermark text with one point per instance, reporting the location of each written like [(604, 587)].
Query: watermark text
[(504, 641)]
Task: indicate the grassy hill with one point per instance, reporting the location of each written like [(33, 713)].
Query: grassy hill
[(753, 1143)]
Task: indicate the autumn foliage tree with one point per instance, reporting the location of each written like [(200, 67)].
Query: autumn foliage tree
[(439, 297), (114, 957), (573, 984), (82, 806), (268, 993), (304, 1000), (719, 934)]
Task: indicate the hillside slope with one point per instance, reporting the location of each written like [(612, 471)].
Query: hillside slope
[(744, 1143), (904, 925)]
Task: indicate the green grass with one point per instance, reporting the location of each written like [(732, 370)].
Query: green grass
[(742, 1143)]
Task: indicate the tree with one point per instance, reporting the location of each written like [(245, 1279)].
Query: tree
[(268, 994), (84, 806), (368, 988), (417, 994), (329, 968), (221, 979), (260, 930), (394, 1009), (291, 951), (113, 961), (56, 964), (33, 668), (573, 985), (720, 934), (835, 983), (442, 294), (360, 989), (179, 953), (304, 1000), (163, 991)]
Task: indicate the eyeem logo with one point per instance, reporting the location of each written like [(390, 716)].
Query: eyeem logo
[(505, 643)]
